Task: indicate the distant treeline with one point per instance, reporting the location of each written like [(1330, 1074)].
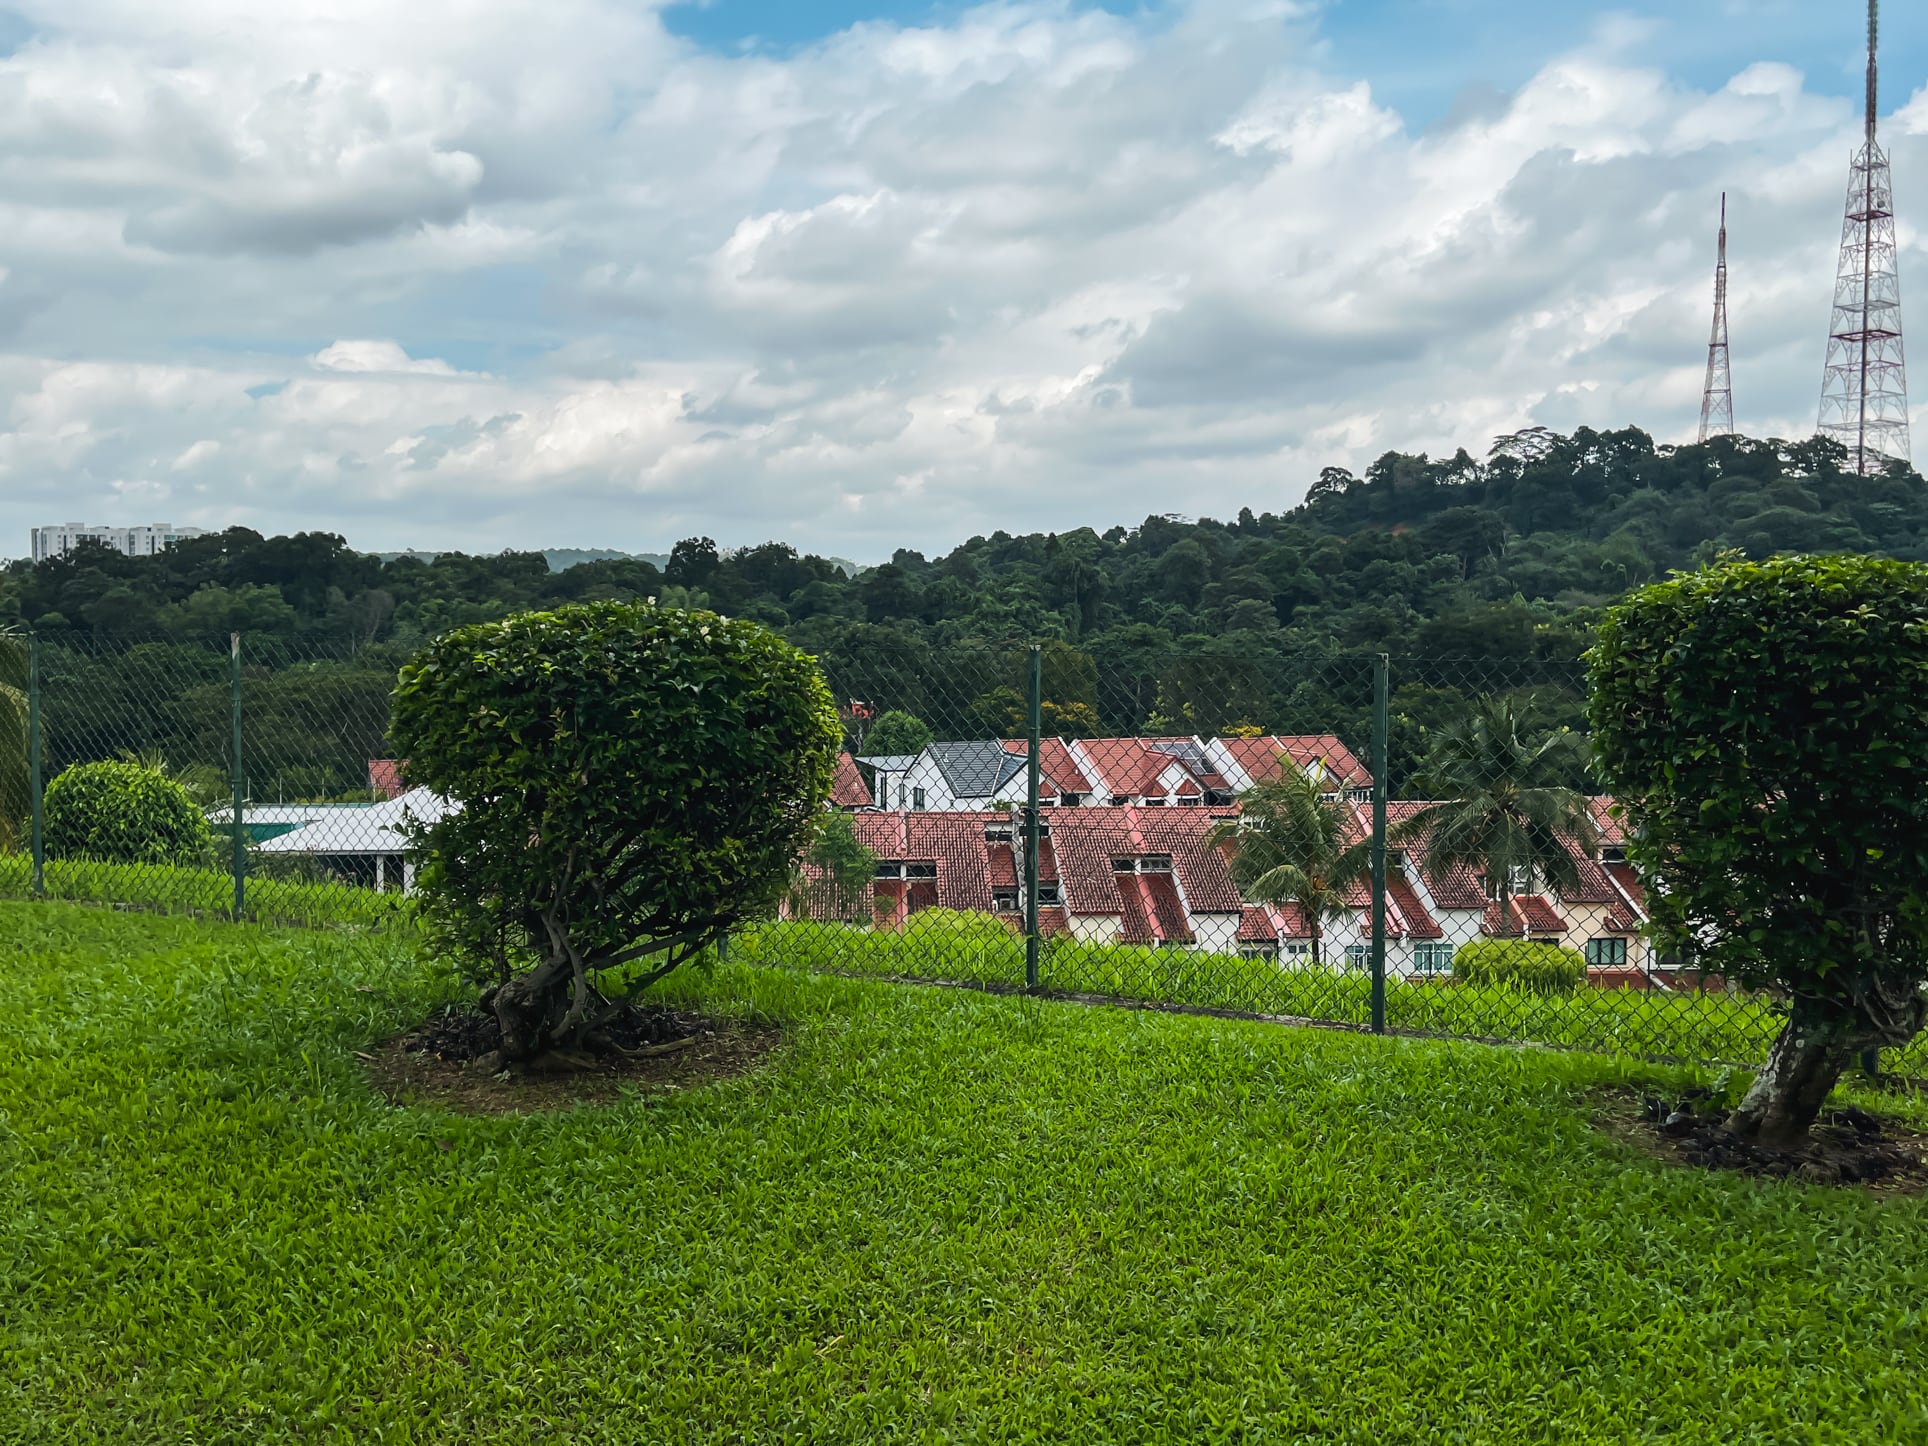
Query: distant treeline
[(1506, 558)]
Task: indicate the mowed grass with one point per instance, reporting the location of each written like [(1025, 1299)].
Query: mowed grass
[(935, 1215), (1717, 1028)]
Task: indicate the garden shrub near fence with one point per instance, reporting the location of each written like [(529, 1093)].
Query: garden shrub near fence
[(124, 813), (1527, 964)]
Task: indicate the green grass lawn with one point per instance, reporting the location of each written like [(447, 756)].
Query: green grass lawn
[(1714, 1028), (935, 1215)]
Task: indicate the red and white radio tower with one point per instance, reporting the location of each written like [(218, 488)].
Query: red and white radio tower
[(1717, 397), (1864, 390)]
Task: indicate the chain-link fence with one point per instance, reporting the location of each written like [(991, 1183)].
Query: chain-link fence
[(1406, 844), (231, 778)]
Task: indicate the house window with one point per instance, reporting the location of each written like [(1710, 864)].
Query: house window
[(1359, 795), (1258, 951), (1048, 894), (1004, 901), (1607, 953), (1154, 803), (917, 798), (1190, 802), (920, 871), (1358, 956), (1521, 882), (1613, 854), (1433, 958), (890, 871), (1155, 864), (1297, 952), (995, 834), (1072, 800)]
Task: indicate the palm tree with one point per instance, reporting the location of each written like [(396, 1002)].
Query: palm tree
[(1289, 847), (1504, 808)]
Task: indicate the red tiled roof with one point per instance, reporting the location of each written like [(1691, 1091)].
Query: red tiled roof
[(1003, 867), (1168, 910), (1203, 871), (1258, 758), (1058, 771), (1525, 914), (1605, 819), (1402, 903), (953, 841), (1053, 922), (1136, 928), (847, 788), (1129, 767), (385, 777), (1624, 875)]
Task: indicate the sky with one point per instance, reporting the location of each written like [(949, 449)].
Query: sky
[(858, 276)]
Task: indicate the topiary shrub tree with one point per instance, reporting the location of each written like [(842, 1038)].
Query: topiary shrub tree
[(1529, 964), (634, 781), (1765, 725), (896, 732), (123, 813)]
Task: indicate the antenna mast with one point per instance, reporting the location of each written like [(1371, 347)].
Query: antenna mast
[(1717, 396), (1864, 385)]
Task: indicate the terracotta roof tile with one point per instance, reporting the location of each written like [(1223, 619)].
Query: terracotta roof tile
[(847, 788)]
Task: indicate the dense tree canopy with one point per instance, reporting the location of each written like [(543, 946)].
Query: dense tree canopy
[(1766, 725), (1158, 627)]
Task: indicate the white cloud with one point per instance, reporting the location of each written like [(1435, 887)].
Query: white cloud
[(557, 277), (377, 356)]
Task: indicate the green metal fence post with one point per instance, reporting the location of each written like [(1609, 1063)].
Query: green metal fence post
[(1036, 723), (238, 829), (34, 781), (1381, 726)]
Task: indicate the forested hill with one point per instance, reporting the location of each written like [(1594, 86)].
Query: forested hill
[(1511, 554)]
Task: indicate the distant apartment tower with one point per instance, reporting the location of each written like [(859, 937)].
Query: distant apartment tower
[(140, 541)]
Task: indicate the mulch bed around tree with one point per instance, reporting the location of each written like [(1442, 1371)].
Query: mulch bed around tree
[(453, 1061), (1847, 1146)]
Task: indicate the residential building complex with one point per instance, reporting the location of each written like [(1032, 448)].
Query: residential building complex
[(143, 540)]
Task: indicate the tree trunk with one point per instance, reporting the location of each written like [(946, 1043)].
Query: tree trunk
[(530, 1006), (1818, 1042), (1802, 1067)]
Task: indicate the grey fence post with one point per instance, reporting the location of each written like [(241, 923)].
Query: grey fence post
[(237, 828), (1381, 726), (34, 780), (1036, 722)]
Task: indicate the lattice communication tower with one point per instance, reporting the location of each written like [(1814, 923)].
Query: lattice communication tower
[(1864, 389)]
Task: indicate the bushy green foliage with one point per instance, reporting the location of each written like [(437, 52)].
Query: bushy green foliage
[(127, 813), (1527, 964), (633, 781), (1766, 727), (896, 733), (936, 930)]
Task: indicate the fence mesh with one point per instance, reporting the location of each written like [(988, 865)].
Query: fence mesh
[(1413, 844)]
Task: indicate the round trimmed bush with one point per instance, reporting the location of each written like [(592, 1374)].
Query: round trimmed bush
[(632, 783), (1523, 963), (124, 813)]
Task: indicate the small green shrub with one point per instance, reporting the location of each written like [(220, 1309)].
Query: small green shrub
[(1523, 963), (956, 928), (124, 813)]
